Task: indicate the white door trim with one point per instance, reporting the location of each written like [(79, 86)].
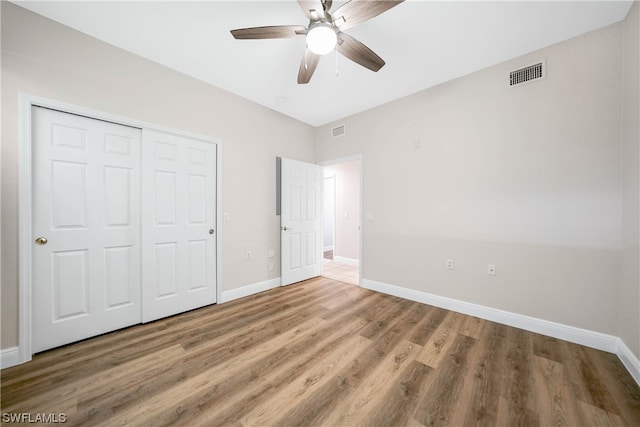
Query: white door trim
[(333, 222), (358, 158), (25, 236)]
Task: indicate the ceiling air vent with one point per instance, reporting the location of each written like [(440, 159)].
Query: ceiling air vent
[(337, 132), (527, 74)]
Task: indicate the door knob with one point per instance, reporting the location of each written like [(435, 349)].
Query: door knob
[(211, 231), (41, 241), (284, 228)]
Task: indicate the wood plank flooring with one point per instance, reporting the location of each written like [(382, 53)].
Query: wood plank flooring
[(323, 353)]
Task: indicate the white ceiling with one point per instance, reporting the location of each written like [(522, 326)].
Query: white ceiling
[(424, 43)]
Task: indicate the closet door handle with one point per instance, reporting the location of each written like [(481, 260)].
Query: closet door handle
[(41, 241)]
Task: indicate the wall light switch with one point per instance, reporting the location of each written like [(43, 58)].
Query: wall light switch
[(226, 217), (248, 256), (371, 217)]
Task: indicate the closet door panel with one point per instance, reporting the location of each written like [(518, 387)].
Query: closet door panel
[(178, 224), (85, 227)]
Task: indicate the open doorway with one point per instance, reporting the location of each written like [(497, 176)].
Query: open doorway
[(328, 235), (342, 216)]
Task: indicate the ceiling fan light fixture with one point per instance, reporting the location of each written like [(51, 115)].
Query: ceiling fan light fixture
[(325, 32), (322, 38)]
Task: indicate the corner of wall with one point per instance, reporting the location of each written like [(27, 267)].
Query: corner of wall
[(629, 282), (629, 360)]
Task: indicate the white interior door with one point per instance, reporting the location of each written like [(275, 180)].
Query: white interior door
[(301, 220), (178, 224), (86, 220)]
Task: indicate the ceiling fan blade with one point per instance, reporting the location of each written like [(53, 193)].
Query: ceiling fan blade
[(273, 32), (307, 66), (313, 9), (358, 52), (355, 12)]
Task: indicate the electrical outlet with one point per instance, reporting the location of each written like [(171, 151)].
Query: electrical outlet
[(491, 269), (449, 264), (248, 256)]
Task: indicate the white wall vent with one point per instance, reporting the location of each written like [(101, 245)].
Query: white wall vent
[(337, 131), (527, 74)]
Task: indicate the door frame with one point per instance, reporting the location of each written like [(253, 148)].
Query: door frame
[(25, 235), (358, 158), (324, 201)]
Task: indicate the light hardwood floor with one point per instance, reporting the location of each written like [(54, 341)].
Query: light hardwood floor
[(324, 353)]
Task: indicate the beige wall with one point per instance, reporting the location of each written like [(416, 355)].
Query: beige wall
[(630, 259), (43, 58), (526, 178), (347, 208)]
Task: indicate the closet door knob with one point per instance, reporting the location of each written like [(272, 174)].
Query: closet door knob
[(211, 231), (41, 241)]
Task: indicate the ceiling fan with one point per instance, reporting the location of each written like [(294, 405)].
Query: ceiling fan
[(325, 32)]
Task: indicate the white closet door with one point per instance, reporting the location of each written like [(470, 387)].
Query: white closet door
[(178, 220), (301, 187), (86, 227)]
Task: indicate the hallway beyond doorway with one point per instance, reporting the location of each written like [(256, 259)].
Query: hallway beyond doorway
[(342, 205), (340, 272)]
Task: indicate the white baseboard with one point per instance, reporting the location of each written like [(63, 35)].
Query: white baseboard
[(245, 291), (629, 360), (349, 261), (597, 340), (9, 357)]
